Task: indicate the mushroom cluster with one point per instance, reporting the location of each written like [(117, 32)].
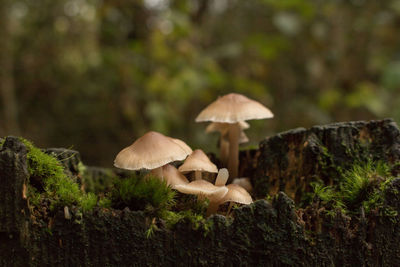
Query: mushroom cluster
[(154, 151), (232, 111), (218, 193)]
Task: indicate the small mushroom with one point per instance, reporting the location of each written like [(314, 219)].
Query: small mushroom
[(202, 188), (172, 176), (198, 162), (232, 109), (222, 177), (67, 215), (236, 194), (152, 151), (244, 182)]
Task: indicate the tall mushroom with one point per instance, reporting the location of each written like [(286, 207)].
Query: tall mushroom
[(152, 151), (223, 129), (198, 162), (232, 109)]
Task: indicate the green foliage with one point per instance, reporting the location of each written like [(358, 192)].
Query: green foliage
[(139, 192)]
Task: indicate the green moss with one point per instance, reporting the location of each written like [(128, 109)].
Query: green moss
[(104, 202), (360, 187), (196, 220), (41, 165), (34, 196), (139, 193), (151, 230), (88, 201), (60, 189), (361, 181), (322, 193)]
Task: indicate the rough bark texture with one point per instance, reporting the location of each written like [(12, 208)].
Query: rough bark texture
[(14, 213), (260, 234), (289, 161)]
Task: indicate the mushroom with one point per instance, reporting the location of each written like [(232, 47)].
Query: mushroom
[(236, 194), (202, 188), (198, 162), (232, 109), (172, 176), (243, 182), (223, 128), (222, 177), (152, 151)]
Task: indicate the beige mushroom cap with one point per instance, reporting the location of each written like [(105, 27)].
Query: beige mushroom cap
[(183, 145), (198, 161), (233, 108), (224, 127), (243, 182), (150, 151), (203, 188), (173, 177), (237, 194)]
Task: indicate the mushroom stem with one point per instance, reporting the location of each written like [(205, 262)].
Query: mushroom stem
[(224, 149), (197, 175), (158, 172), (229, 208), (212, 208), (233, 163)]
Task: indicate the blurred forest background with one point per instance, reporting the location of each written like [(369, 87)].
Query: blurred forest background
[(94, 75)]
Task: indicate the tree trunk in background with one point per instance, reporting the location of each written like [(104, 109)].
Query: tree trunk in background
[(7, 89)]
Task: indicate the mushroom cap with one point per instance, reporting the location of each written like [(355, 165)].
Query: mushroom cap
[(198, 161), (151, 151), (243, 182), (237, 194), (233, 108), (203, 188), (224, 127), (183, 145), (172, 176)]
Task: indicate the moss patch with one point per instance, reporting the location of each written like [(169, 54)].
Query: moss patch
[(48, 179), (360, 189), (139, 193)]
